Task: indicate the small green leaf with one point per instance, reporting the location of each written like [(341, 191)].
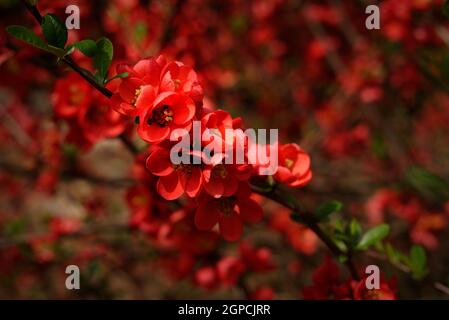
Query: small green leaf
[(105, 45), (327, 209), (69, 50), (355, 231), (26, 35), (418, 260), (103, 58), (54, 30), (118, 76), (446, 8), (373, 235), (32, 2), (87, 47), (428, 184)]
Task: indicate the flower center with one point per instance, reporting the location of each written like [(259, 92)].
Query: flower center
[(161, 116), (220, 171), (136, 96), (184, 168), (289, 163), (226, 205)]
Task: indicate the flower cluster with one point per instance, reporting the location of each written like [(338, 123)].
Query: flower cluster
[(86, 111), (327, 285), (165, 96)]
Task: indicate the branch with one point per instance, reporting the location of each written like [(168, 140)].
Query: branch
[(308, 220)]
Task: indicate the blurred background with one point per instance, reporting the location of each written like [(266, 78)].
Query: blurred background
[(370, 106)]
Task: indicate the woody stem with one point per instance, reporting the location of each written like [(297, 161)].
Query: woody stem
[(67, 60), (310, 222)]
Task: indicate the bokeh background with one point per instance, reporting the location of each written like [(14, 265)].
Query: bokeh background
[(370, 106)]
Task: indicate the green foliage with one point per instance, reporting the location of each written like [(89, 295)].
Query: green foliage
[(28, 36), (327, 208), (373, 236), (427, 184), (15, 227), (446, 8), (88, 47), (415, 262), (118, 76), (103, 58), (54, 30), (349, 235)]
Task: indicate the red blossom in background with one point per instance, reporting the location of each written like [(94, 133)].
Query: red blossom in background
[(87, 178)]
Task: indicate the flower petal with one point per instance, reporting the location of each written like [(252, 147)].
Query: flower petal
[(169, 187), (193, 182), (159, 163), (230, 226), (250, 210), (214, 187), (206, 215), (153, 133)]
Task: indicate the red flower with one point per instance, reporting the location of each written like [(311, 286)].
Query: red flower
[(137, 91), (229, 270), (262, 293), (228, 212), (150, 77), (169, 111), (98, 120), (175, 180), (294, 166), (385, 292), (206, 277), (70, 94), (222, 180), (180, 78)]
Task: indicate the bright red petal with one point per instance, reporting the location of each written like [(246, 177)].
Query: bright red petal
[(193, 182), (169, 187), (214, 187), (153, 133), (159, 163), (146, 97)]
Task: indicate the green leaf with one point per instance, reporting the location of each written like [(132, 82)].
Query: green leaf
[(446, 8), (118, 76), (429, 185), (26, 35), (32, 2), (355, 231), (103, 58), (327, 209), (87, 47), (373, 235), (15, 227), (418, 260), (54, 30)]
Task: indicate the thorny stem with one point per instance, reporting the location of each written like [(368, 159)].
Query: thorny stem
[(273, 195)]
